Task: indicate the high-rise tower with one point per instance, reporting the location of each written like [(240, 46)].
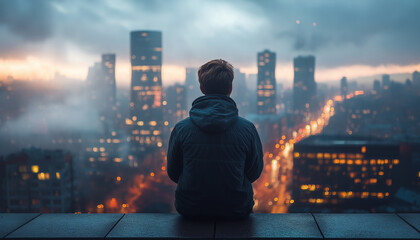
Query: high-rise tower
[(192, 86), (343, 87), (146, 114), (101, 91), (266, 83), (304, 86)]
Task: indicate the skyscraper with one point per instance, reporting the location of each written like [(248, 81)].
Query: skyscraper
[(192, 86), (266, 83), (101, 91), (175, 104), (304, 86), (146, 114), (416, 79), (240, 92), (343, 87), (386, 81), (376, 86)]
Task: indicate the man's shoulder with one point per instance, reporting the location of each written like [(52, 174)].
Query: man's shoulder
[(183, 123), (243, 122)]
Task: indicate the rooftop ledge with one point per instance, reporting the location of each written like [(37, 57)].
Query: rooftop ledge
[(172, 226)]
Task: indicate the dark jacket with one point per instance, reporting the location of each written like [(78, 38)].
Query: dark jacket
[(214, 156)]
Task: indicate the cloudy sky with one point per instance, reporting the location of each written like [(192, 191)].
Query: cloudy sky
[(354, 38)]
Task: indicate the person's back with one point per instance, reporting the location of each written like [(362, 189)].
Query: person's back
[(214, 155)]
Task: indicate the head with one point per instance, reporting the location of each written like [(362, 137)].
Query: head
[(216, 77)]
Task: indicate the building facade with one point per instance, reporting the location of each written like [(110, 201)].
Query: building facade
[(192, 86), (240, 92), (266, 83), (344, 172), (146, 113), (304, 86), (343, 87), (38, 180), (175, 104)]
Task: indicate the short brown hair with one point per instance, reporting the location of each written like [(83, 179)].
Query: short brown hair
[(216, 77)]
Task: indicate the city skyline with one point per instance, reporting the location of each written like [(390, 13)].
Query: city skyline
[(331, 133), (307, 31)]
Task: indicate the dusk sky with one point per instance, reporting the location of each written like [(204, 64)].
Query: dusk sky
[(348, 38)]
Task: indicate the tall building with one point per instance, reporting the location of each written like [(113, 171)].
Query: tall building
[(376, 86), (101, 91), (192, 86), (304, 86), (386, 81), (416, 79), (343, 87), (240, 92), (146, 113), (38, 180), (266, 83), (339, 172), (175, 104)]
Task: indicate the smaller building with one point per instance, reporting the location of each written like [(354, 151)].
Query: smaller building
[(345, 172), (37, 180)]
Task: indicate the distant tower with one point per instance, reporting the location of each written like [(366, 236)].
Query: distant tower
[(304, 86), (146, 91), (176, 104), (344, 87), (101, 91), (192, 86), (416, 79), (376, 86), (240, 92), (386, 81), (266, 83)]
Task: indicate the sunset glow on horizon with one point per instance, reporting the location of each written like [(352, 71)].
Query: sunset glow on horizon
[(33, 68)]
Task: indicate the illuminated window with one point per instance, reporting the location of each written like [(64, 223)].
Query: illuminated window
[(57, 175), (396, 161), (363, 150), (152, 123), (35, 168), (41, 176)]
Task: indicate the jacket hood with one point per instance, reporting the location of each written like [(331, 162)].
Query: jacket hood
[(214, 113)]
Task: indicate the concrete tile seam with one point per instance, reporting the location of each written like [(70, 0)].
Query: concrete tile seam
[(22, 225), (112, 228), (418, 230)]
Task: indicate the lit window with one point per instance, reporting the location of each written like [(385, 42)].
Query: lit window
[(35, 168)]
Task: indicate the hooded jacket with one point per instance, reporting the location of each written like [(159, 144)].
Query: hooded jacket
[(214, 155)]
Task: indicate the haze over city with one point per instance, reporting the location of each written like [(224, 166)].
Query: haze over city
[(91, 91), (357, 39)]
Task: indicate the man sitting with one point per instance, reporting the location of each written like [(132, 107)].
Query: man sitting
[(214, 155)]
